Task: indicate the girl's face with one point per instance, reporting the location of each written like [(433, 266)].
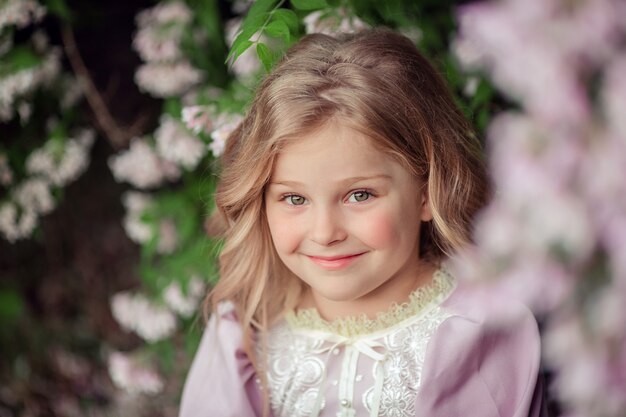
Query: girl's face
[(345, 218)]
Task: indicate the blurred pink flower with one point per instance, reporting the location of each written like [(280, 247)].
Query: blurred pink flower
[(184, 304), (16, 225), (20, 13), (129, 374), (333, 21), (224, 126), (34, 195), (198, 118), (175, 144), (166, 12), (167, 79), (135, 312), (141, 166)]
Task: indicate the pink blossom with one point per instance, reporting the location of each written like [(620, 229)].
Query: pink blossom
[(175, 144), (155, 43), (333, 21), (224, 126), (149, 320), (20, 83), (34, 195), (198, 118), (136, 203), (20, 13), (184, 304), (130, 375), (166, 12), (167, 79), (141, 166), (16, 225)]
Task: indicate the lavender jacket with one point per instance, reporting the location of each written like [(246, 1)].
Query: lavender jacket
[(451, 354)]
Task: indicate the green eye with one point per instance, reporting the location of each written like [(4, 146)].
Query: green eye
[(295, 200), (359, 196)]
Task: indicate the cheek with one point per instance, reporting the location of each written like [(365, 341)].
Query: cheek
[(381, 230), (285, 232)]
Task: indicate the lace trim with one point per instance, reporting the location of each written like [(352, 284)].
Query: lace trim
[(352, 326)]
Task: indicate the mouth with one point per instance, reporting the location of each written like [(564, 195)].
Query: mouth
[(335, 262)]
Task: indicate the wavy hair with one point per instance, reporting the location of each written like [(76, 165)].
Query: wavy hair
[(377, 82)]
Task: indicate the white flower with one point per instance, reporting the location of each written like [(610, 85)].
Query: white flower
[(159, 43), (339, 20), (141, 166), (167, 12), (17, 84), (135, 203), (34, 195), (471, 85), (14, 228), (135, 312), (20, 13), (62, 166), (175, 144), (225, 125), (165, 79), (198, 118), (185, 305), (129, 375)]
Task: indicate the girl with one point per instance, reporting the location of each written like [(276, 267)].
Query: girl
[(350, 180)]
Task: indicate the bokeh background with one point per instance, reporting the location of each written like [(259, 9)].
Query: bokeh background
[(113, 116)]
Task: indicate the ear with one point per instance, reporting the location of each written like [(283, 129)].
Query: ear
[(425, 211)]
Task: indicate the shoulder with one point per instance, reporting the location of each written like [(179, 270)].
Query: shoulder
[(222, 374), (484, 357)]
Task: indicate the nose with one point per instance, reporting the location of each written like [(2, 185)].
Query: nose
[(327, 226)]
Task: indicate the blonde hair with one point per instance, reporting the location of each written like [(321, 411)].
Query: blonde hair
[(378, 83)]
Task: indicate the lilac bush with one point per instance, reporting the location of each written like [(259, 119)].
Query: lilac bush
[(555, 232)]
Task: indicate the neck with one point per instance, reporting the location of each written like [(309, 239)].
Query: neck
[(395, 290)]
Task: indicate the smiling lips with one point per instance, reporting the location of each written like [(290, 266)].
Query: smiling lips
[(335, 262)]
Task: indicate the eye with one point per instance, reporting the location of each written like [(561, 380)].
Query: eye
[(359, 196), (294, 199)]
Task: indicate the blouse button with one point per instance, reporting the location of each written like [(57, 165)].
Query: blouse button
[(359, 378), (336, 351), (345, 403)]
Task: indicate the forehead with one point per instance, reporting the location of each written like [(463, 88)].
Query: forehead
[(334, 150)]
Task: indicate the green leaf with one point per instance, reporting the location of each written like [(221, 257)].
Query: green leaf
[(239, 47), (59, 8), (256, 17), (17, 59), (265, 55), (309, 4), (11, 305), (289, 17), (261, 7), (278, 29)]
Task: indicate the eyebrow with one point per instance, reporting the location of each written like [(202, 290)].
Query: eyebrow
[(349, 180)]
